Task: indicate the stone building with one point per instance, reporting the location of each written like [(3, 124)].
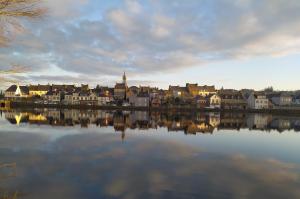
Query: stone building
[(120, 89), (232, 99)]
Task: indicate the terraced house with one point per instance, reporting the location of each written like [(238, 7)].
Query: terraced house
[(258, 100), (232, 99), (53, 97), (38, 90)]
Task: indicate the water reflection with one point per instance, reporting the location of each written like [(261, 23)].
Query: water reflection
[(98, 165), (189, 123)]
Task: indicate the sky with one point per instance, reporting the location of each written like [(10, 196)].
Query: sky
[(227, 43)]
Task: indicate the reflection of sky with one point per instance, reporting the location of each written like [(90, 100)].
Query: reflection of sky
[(254, 143), (92, 165)]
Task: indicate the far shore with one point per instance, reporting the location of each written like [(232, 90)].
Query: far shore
[(281, 111)]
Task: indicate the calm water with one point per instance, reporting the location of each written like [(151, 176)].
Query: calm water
[(96, 154)]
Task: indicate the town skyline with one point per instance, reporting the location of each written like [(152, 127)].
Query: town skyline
[(190, 96)]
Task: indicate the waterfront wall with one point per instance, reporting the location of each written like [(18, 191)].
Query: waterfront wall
[(275, 110)]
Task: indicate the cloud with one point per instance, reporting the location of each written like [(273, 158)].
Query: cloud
[(153, 37), (66, 8)]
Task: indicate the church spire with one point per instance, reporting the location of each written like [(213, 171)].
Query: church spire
[(124, 79)]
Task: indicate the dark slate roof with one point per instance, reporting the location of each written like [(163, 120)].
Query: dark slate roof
[(51, 92), (177, 88), (120, 86), (12, 88), (278, 95), (143, 94), (63, 87), (24, 89)]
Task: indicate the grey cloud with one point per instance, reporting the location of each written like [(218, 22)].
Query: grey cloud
[(158, 36)]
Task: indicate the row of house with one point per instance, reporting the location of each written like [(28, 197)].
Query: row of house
[(145, 96)]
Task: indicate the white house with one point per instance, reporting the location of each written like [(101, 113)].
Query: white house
[(68, 98), (16, 91), (214, 101), (258, 101)]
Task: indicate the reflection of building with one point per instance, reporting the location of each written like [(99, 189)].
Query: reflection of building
[(119, 122), (232, 121), (202, 127), (16, 117), (38, 118), (189, 123), (281, 124), (214, 119), (258, 121)]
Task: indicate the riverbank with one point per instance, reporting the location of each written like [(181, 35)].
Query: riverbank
[(281, 111)]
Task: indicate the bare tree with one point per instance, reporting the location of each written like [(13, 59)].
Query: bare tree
[(12, 11), (11, 14)]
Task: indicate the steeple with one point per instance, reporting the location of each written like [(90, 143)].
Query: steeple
[(124, 79)]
